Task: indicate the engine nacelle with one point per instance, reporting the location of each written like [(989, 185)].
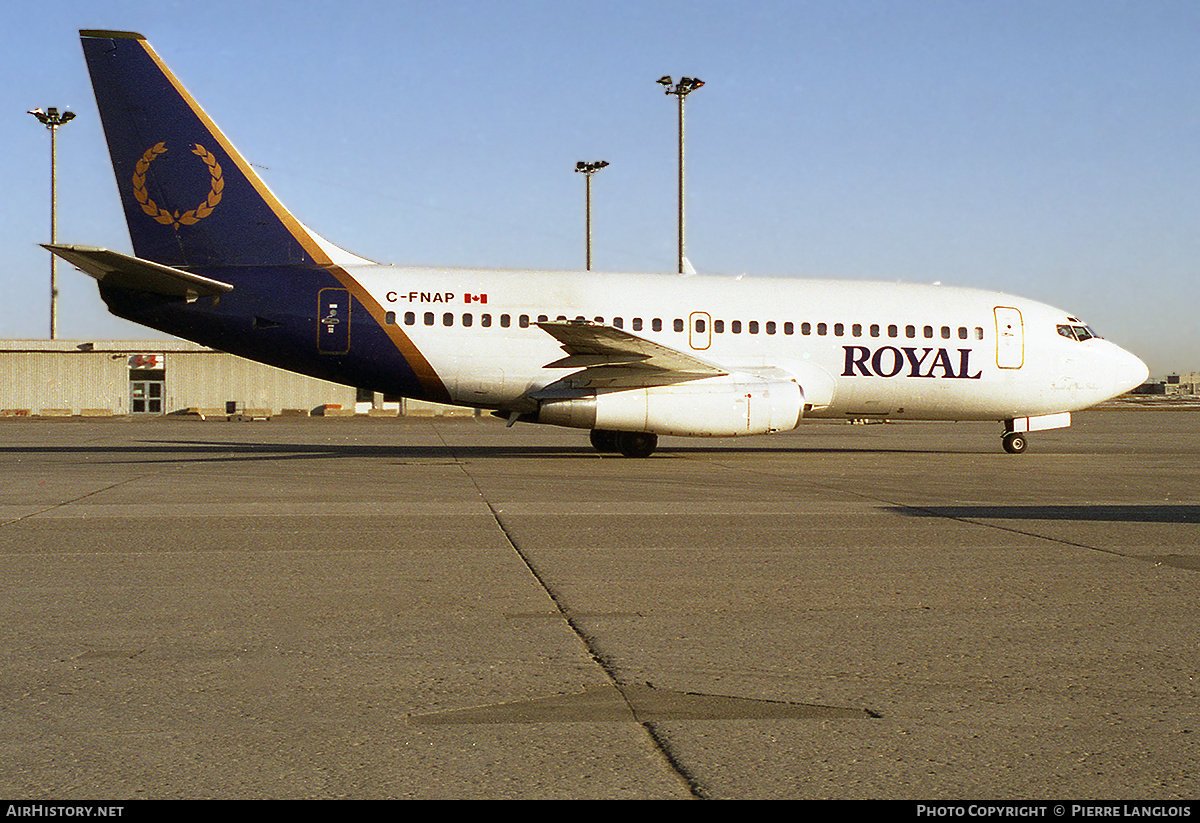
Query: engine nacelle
[(696, 409)]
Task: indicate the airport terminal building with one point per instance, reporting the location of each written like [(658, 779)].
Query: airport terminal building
[(62, 378)]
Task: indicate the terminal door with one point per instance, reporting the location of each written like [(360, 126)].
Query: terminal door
[(147, 384)]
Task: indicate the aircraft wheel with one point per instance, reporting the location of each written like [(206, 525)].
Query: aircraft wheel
[(636, 444), (1015, 442), (604, 442)]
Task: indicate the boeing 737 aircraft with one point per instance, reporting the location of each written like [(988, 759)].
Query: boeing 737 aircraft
[(220, 261)]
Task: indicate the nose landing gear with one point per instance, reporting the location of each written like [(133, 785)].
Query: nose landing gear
[(1015, 442)]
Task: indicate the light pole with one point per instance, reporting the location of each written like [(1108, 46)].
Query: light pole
[(588, 169), (682, 89), (52, 119)]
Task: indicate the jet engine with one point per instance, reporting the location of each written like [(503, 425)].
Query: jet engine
[(694, 409)]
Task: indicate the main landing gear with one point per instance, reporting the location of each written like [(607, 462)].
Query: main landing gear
[(630, 444)]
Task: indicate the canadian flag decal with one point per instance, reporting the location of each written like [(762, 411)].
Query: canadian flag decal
[(475, 298)]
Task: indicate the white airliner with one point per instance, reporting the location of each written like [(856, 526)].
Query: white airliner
[(220, 261)]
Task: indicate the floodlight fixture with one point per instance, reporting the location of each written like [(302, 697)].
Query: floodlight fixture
[(590, 168), (51, 118)]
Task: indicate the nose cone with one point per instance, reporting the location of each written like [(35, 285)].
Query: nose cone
[(1128, 372)]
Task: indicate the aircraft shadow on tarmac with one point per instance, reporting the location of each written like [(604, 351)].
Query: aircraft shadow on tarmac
[(175, 451), (1094, 513), (217, 451)]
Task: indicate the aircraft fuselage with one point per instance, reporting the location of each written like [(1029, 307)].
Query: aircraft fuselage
[(859, 349)]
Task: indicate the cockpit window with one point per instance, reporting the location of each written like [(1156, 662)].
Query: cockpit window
[(1079, 333)]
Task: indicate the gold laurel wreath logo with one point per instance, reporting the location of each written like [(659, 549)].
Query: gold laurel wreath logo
[(175, 219)]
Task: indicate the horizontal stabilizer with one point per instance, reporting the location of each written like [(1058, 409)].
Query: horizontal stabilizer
[(124, 272)]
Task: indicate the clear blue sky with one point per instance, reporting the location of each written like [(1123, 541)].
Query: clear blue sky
[(1049, 149)]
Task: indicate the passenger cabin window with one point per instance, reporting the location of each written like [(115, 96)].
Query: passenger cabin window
[(656, 324), (390, 318), (637, 324), (678, 324), (410, 318), (735, 326), (719, 326)]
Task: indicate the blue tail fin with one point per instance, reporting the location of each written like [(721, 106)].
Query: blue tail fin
[(190, 199)]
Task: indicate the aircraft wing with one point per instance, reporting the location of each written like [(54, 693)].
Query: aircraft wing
[(608, 357), (115, 269)]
